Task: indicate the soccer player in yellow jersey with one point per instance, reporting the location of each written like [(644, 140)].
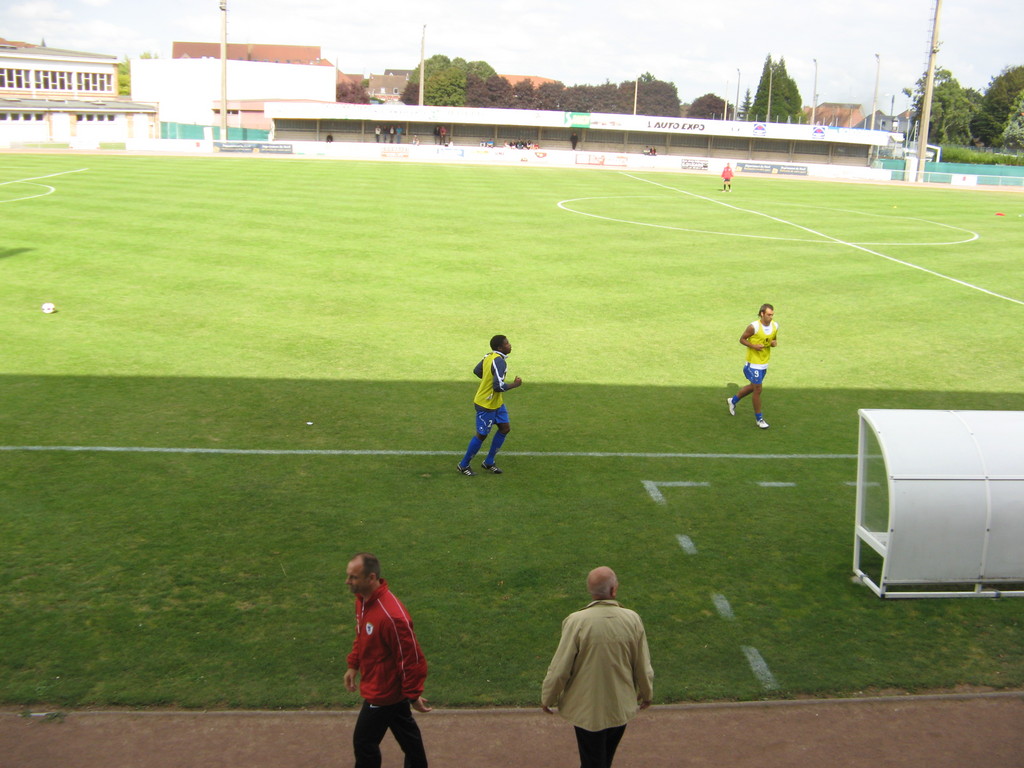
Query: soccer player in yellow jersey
[(490, 406), (759, 337)]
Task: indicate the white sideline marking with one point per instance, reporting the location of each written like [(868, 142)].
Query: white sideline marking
[(754, 659), (652, 488), (833, 239), (339, 452), (760, 669), (722, 606), (687, 544), (777, 485)]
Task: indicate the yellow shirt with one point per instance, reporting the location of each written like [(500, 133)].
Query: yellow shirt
[(491, 371), (764, 336)]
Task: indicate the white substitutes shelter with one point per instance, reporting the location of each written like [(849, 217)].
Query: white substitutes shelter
[(940, 503)]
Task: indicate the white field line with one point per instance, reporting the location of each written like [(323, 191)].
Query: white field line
[(760, 669), (372, 452), (833, 239), (687, 544), (653, 488), (565, 205), (722, 606), (49, 190)]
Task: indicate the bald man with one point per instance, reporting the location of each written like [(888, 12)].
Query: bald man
[(601, 675)]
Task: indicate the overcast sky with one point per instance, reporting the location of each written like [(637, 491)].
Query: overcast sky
[(699, 46)]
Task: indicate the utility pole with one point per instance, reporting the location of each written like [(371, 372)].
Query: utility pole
[(223, 70), (423, 47), (929, 88), (874, 103), (814, 94), (736, 105)]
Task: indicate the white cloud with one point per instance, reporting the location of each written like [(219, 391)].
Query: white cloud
[(39, 11), (698, 46)]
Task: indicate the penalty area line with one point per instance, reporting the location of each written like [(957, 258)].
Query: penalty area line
[(371, 452), (836, 240), (37, 178)]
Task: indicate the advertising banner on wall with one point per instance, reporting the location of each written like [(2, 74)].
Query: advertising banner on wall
[(775, 169)]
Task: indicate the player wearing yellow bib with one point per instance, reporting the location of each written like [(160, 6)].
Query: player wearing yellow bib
[(759, 337), (490, 405)]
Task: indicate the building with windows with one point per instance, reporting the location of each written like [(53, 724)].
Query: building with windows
[(50, 95), (389, 87), (836, 115)]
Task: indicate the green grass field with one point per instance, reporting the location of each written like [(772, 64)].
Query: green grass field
[(221, 304)]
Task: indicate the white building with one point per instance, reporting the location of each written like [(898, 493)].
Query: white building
[(49, 95), (189, 90)]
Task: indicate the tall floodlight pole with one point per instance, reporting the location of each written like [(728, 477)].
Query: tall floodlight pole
[(771, 75), (736, 104), (636, 93), (814, 94), (929, 87), (223, 70), (874, 102), (423, 48)]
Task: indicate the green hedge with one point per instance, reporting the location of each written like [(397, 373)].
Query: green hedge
[(964, 155)]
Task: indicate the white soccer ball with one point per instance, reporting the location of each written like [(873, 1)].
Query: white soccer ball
[(49, 308)]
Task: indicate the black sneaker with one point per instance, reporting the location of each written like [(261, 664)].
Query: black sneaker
[(465, 471), (491, 468)]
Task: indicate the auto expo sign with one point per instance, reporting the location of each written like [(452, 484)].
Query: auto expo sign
[(674, 125)]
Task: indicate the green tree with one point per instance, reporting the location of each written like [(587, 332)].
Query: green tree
[(953, 108), (445, 81), (707, 107), (790, 106), (777, 92), (481, 69), (431, 67), (746, 106), (653, 97), (1013, 133), (996, 106), (447, 88)]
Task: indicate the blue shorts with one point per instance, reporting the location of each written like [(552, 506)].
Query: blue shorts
[(754, 375), (485, 419)]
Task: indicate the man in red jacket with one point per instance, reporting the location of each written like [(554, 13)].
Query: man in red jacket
[(387, 658)]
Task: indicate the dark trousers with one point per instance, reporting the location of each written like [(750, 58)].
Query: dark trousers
[(374, 722), (597, 748)]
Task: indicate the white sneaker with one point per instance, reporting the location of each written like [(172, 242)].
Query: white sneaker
[(762, 424), (732, 406)]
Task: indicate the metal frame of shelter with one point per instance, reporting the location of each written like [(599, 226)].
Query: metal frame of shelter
[(940, 498)]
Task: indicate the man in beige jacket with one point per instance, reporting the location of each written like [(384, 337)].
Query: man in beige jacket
[(601, 675)]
